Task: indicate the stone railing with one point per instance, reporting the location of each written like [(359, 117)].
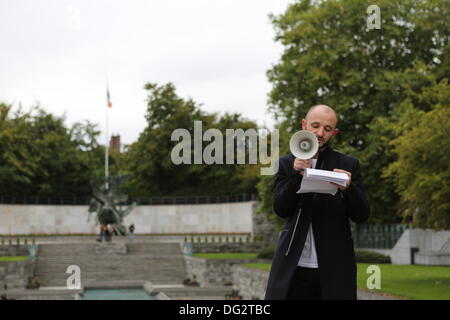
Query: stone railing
[(13, 250), (218, 238), (209, 272), (226, 247)]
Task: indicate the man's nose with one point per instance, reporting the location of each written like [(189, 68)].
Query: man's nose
[(320, 132)]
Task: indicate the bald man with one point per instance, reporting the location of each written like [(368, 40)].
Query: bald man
[(314, 258)]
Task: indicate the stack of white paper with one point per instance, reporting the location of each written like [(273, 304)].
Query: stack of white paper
[(315, 180), (325, 175)]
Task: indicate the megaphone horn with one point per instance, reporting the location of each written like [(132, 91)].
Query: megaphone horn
[(304, 144)]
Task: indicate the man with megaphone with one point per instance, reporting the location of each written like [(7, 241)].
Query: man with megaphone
[(314, 258)]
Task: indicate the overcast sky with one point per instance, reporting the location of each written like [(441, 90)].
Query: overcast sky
[(62, 53)]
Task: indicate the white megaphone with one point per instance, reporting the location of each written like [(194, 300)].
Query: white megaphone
[(304, 144)]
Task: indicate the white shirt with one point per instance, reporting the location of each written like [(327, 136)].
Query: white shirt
[(308, 259)]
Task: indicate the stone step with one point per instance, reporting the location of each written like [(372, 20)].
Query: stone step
[(119, 276), (62, 273), (84, 281), (118, 257), (92, 252), (155, 262), (132, 261), (88, 267), (213, 291), (100, 277), (153, 273), (76, 253), (83, 247)]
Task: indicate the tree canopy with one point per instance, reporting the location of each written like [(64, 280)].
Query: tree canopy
[(149, 159), (40, 156), (331, 57)]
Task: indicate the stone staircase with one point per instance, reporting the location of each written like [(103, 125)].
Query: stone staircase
[(159, 263), (196, 293)]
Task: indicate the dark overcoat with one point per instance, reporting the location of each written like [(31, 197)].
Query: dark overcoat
[(330, 216)]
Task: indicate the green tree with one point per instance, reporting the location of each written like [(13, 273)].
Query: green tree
[(331, 57), (17, 164), (40, 156), (149, 159), (421, 146)]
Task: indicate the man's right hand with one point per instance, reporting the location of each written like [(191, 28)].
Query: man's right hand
[(300, 165)]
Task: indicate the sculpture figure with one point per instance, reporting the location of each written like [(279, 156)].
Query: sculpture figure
[(110, 205)]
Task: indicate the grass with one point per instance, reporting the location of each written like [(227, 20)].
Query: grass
[(13, 259), (260, 266), (413, 282), (217, 256)]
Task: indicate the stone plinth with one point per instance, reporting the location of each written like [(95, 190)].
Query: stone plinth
[(110, 248)]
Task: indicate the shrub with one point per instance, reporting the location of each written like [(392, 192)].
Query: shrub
[(363, 256), (258, 237), (266, 253)]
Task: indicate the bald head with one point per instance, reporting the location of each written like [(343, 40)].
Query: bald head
[(321, 120), (324, 109)]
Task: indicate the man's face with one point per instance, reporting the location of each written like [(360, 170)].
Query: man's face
[(322, 123)]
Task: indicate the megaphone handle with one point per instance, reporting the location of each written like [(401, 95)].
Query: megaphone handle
[(300, 164)]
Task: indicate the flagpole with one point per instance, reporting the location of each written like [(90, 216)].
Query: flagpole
[(107, 145)]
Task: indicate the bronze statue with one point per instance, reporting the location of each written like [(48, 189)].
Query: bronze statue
[(109, 202)]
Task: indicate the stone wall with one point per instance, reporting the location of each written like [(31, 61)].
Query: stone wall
[(13, 250), (214, 271), (246, 247), (427, 246), (264, 229), (15, 274), (59, 294), (249, 282), (148, 219)]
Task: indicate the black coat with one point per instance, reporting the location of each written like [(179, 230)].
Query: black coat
[(330, 216)]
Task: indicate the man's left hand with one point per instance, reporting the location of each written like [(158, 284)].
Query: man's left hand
[(349, 179)]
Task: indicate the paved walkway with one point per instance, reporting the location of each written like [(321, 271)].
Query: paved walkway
[(372, 295)]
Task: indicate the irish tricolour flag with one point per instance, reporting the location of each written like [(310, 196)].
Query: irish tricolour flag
[(108, 98)]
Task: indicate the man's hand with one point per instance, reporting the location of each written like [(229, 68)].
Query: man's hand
[(349, 179), (300, 165)]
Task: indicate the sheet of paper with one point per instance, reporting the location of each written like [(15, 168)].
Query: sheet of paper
[(315, 180), (330, 176), (319, 186)]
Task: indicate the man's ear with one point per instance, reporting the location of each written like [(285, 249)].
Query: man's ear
[(303, 124), (335, 131)]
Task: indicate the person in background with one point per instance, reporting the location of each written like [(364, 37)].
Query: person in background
[(131, 230)]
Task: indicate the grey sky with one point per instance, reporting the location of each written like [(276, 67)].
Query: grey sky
[(61, 53)]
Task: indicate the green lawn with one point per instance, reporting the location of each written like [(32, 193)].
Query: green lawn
[(413, 282), (13, 259), (237, 255), (260, 266)]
